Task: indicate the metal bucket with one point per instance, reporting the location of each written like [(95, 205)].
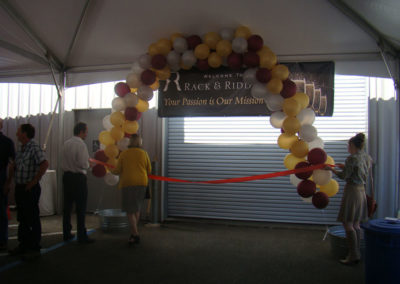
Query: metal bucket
[(339, 248), (113, 220)]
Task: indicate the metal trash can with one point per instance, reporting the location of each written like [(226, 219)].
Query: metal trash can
[(382, 252), (339, 246), (113, 220)]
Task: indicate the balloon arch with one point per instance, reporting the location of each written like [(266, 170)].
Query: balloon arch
[(236, 48)]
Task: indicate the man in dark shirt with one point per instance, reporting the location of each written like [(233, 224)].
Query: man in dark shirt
[(7, 155)]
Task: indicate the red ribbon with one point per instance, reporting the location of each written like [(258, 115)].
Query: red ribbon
[(241, 179)]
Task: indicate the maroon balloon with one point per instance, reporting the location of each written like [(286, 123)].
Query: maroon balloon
[(255, 42), (316, 156), (251, 59), (320, 200), (121, 89), (263, 75), (148, 77), (99, 171), (193, 41), (289, 89), (306, 188), (158, 61), (202, 64), (235, 60), (100, 156), (131, 113), (304, 175)]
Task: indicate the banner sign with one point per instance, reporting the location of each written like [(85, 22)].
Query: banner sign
[(222, 92)]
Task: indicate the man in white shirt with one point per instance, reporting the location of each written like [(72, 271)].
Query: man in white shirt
[(75, 165)]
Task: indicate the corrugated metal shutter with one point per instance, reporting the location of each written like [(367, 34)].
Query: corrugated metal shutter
[(217, 148)]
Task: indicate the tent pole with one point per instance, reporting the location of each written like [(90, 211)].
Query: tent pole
[(60, 142)]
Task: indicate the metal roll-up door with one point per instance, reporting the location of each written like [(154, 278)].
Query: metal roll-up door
[(211, 148)]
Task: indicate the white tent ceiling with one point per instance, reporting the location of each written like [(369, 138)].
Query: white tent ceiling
[(97, 40)]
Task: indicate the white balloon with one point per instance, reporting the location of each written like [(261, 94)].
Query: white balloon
[(249, 76), (111, 179), (259, 91), (274, 102), (188, 58), (145, 93), (145, 61), (102, 147), (175, 68), (107, 123), (276, 119), (321, 177), (294, 180), (180, 44), (173, 58), (131, 100), (133, 80), (316, 143), (227, 33), (239, 45), (136, 68), (307, 199), (308, 132), (118, 104), (123, 144), (306, 116)]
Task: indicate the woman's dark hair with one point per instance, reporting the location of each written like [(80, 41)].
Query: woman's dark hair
[(358, 140), (79, 127), (28, 129)]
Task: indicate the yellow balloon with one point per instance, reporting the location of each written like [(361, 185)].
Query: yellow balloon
[(291, 107), (142, 106), (224, 48), (329, 160), (264, 50), (291, 161), (291, 125), (243, 32), (105, 138), (112, 162), (268, 60), (163, 74), (155, 85), (111, 151), (133, 90), (280, 71), (164, 46), (331, 188), (117, 133), (299, 149), (117, 118), (211, 39), (130, 127), (302, 99), (153, 49), (174, 36), (202, 51), (214, 60), (285, 141), (275, 86)]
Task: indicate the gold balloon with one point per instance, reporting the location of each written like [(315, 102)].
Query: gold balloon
[(268, 60), (329, 160), (105, 138), (163, 74), (185, 67), (117, 118), (285, 141), (243, 32), (112, 162), (133, 90), (155, 85), (130, 127), (153, 49), (214, 60), (202, 51), (117, 133), (291, 125), (331, 188), (291, 161), (224, 48), (280, 71), (211, 39), (164, 46), (111, 151), (142, 106), (291, 107), (302, 99), (174, 36), (299, 149), (264, 50), (275, 86)]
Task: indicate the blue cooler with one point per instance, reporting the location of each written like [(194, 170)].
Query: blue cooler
[(382, 251)]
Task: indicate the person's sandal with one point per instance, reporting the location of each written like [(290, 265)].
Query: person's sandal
[(131, 240)]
